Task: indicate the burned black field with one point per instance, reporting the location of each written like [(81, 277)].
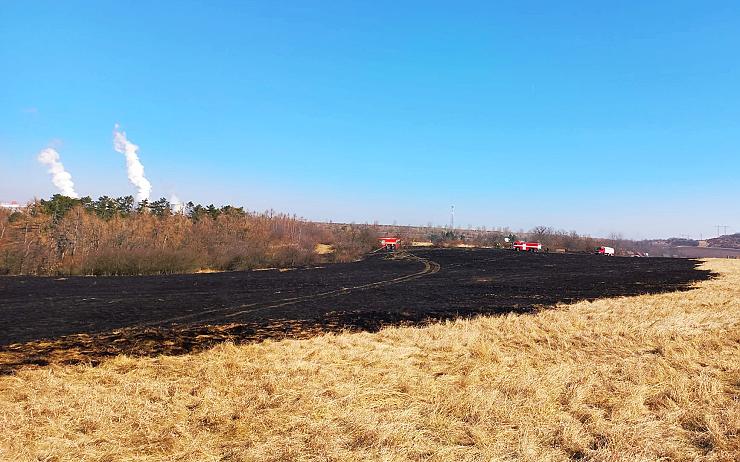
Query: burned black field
[(86, 319)]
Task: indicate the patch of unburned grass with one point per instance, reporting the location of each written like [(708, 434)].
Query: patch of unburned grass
[(323, 249), (653, 377)]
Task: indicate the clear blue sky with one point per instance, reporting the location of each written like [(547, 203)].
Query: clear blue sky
[(599, 117)]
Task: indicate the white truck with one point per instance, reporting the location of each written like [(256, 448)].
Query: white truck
[(605, 251)]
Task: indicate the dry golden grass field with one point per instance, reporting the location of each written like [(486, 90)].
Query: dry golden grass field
[(635, 378)]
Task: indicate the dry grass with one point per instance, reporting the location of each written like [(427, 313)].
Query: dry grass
[(323, 249), (636, 378)]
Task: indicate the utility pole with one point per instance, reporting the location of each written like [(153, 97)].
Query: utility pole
[(724, 227), (452, 218)]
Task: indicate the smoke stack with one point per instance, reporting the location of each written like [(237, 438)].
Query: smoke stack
[(134, 167), (59, 176)]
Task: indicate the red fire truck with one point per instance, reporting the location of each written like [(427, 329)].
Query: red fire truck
[(390, 243), (526, 246)]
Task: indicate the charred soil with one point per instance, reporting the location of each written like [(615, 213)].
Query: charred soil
[(86, 319)]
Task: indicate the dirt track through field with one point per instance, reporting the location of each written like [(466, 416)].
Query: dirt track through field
[(86, 319), (430, 267)]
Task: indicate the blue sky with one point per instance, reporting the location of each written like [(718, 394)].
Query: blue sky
[(620, 117)]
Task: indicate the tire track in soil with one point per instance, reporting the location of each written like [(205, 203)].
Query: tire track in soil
[(430, 267)]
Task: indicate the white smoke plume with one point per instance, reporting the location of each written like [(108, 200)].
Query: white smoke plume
[(133, 166), (176, 204), (59, 176)]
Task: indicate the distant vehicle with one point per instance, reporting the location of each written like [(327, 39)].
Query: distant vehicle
[(520, 246), (605, 251), (390, 243)]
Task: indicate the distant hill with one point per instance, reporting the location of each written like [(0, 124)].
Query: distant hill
[(730, 241), (672, 242), (677, 241)]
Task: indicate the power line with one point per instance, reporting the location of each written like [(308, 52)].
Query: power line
[(724, 227)]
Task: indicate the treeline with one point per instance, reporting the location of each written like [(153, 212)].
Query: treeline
[(571, 241), (551, 239), (116, 236)]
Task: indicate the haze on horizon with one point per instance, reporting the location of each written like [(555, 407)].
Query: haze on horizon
[(620, 118)]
